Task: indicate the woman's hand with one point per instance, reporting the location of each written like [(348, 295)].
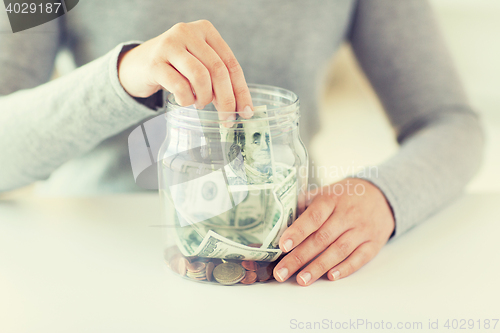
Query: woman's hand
[(346, 224), (192, 61)]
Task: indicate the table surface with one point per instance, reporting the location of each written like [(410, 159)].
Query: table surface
[(95, 265)]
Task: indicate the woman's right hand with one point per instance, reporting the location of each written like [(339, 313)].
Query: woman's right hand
[(192, 61)]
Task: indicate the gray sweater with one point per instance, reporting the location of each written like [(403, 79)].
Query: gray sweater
[(73, 131)]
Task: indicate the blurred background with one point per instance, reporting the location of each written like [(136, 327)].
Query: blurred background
[(355, 130)]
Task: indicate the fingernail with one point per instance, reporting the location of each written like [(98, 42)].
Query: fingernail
[(199, 106), (247, 111), (282, 273), (335, 275), (228, 123), (306, 277), (287, 245)]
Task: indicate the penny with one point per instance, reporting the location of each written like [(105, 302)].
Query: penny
[(170, 252), (229, 273), (209, 271), (195, 275), (250, 277), (179, 265), (173, 259), (196, 267), (264, 273), (249, 265), (201, 278)]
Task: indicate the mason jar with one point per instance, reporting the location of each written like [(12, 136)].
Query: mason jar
[(230, 188)]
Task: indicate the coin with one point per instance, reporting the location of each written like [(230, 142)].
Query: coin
[(249, 265), (200, 273), (196, 275), (209, 271), (179, 264), (191, 259), (250, 277), (196, 267), (201, 278), (172, 261), (170, 252), (264, 273), (229, 273)]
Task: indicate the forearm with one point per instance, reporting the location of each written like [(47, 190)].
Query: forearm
[(400, 48), (43, 127), (431, 168)]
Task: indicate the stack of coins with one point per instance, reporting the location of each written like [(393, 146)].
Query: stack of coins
[(196, 270), (250, 274)]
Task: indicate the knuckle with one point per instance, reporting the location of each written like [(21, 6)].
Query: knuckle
[(298, 259), (180, 87), (316, 218), (165, 39), (219, 69), (322, 237), (300, 232), (322, 266), (241, 91), (343, 248), (200, 75), (205, 23), (228, 103), (180, 27), (233, 66)]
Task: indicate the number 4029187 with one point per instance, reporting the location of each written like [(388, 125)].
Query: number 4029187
[(32, 8)]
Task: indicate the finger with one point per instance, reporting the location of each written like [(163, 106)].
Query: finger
[(171, 80), (362, 255), (317, 242), (240, 89), (311, 220), (332, 256), (225, 101), (197, 74)]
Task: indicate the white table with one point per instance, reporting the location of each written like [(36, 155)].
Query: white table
[(95, 265)]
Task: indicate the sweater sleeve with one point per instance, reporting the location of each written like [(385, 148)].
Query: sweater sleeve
[(399, 47), (44, 124)]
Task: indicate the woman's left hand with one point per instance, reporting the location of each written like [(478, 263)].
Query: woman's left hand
[(346, 224)]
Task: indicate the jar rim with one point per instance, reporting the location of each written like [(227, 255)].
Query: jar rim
[(253, 87)]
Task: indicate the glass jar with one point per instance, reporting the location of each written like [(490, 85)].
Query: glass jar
[(230, 188)]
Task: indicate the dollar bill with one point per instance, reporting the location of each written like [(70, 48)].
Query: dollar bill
[(217, 246), (248, 150), (284, 209), (260, 219), (201, 199)]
